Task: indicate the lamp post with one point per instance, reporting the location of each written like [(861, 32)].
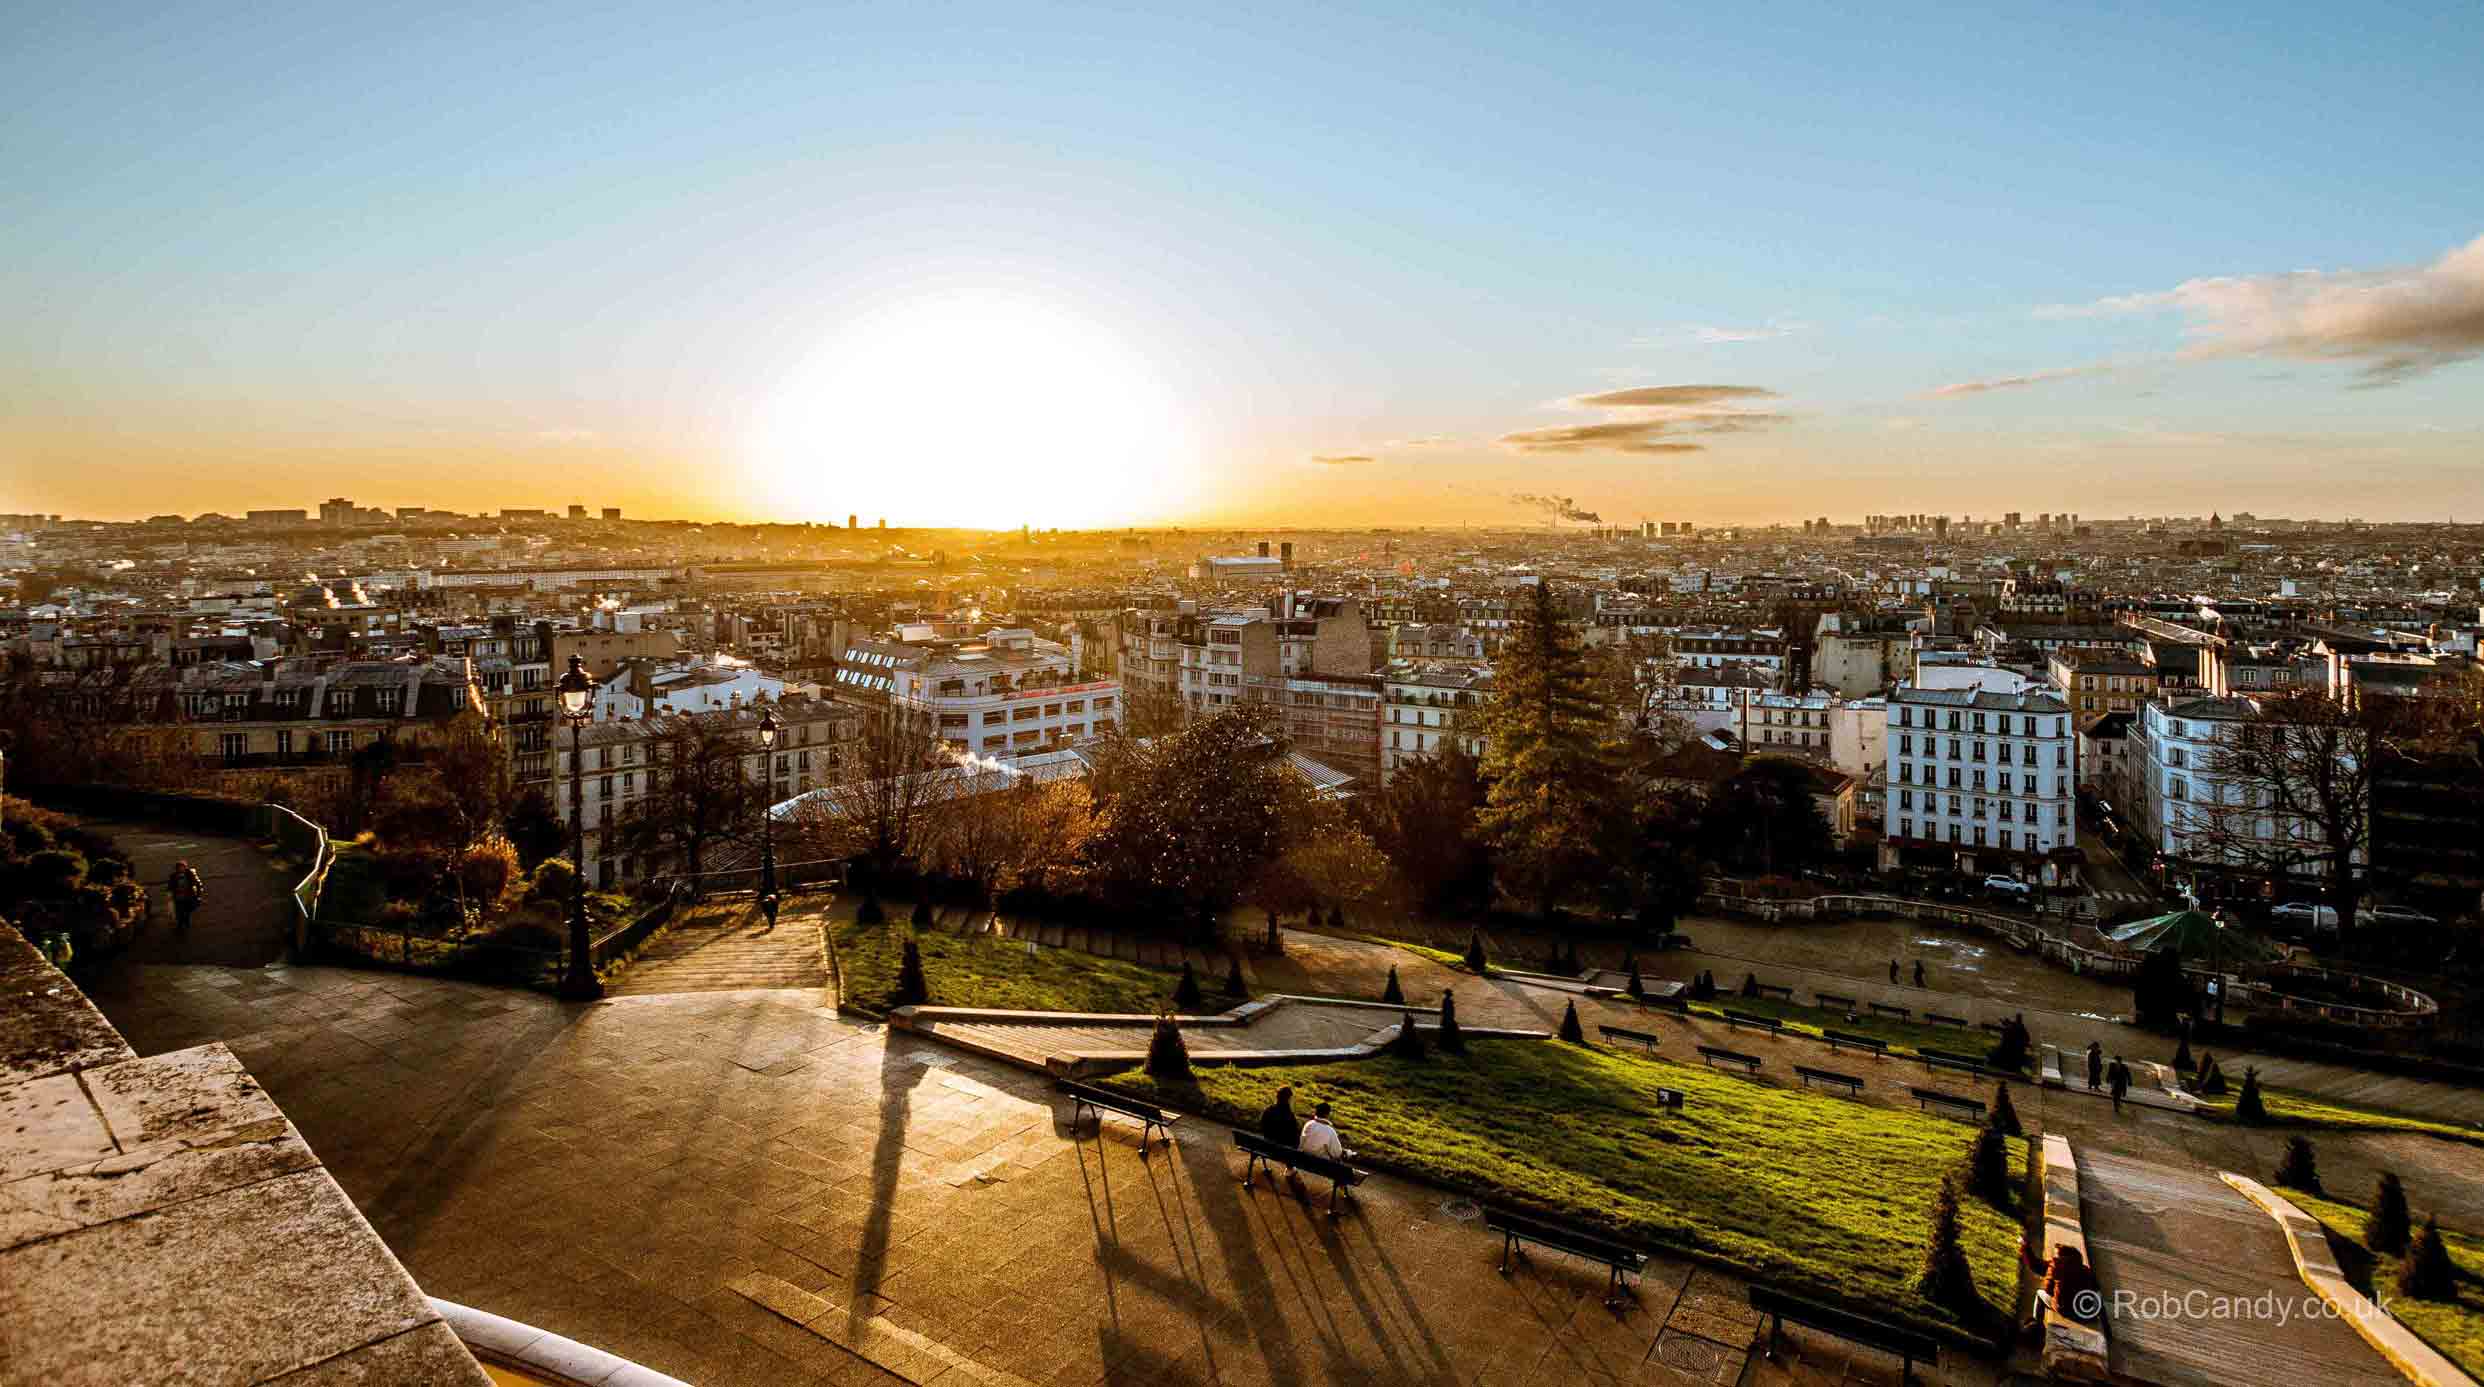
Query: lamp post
[(578, 981), (2216, 964), (768, 728)]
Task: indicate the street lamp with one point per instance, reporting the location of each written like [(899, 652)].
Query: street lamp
[(577, 690), (768, 728), (2216, 964)]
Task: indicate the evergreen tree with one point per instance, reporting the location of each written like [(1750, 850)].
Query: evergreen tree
[(1452, 1040), (2247, 1105), (1636, 986), (1168, 1055), (1750, 984), (1549, 770), (2299, 1168), (2010, 1051), (1475, 960), (1407, 1044), (1570, 1030), (1234, 986), (1988, 1167), (1336, 918), (2004, 1116), (912, 990), (1393, 994), (1946, 1279), (2182, 1053), (2427, 1273), (870, 912), (1186, 995), (2386, 1230)]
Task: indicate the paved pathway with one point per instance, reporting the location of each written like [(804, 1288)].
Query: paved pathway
[(2201, 1287), (244, 918), (727, 946)]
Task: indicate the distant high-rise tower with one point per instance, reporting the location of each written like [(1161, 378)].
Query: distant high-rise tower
[(852, 521), (576, 511), (612, 512)]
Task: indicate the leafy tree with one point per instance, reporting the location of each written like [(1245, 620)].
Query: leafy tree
[(1189, 821), (2300, 1166), (2428, 1273), (1424, 822), (1765, 817), (1652, 868), (534, 827), (998, 830), (2388, 1227), (880, 814), (1550, 767), (2301, 768)]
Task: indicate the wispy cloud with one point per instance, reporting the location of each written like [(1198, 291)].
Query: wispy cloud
[(2397, 323), (1990, 383), (1717, 334), (1621, 436), (1647, 419), (1434, 440), (1340, 459), (1670, 396)]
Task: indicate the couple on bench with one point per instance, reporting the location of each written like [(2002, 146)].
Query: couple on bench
[(1318, 1136)]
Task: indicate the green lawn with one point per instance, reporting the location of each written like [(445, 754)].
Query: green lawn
[(1011, 975), (2456, 1328), (1901, 1035), (2289, 1108), (1810, 1192)]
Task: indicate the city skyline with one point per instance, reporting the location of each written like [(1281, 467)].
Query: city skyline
[(1088, 270)]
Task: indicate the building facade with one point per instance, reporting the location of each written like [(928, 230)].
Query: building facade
[(1981, 781)]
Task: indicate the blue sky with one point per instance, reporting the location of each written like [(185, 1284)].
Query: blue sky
[(242, 248)]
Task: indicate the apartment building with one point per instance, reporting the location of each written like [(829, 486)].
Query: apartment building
[(2222, 831), (1714, 648), (2099, 684), (1429, 707), (1004, 693), (1981, 781), (1795, 724), (1202, 658)]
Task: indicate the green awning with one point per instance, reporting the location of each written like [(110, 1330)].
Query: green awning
[(2194, 935)]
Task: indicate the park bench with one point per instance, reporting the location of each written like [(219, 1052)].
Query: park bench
[(1669, 1098), (1908, 1346), (1960, 1066), (1639, 1038), (1848, 1040), (1084, 1099), (1517, 1229), (1831, 999), (1718, 1059), (1812, 1077), (1744, 1019), (1955, 1022), (1265, 1154), (1676, 1005), (1884, 1009), (1777, 990), (1929, 1098), (1996, 1027)]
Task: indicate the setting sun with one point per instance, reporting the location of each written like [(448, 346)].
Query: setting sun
[(982, 408)]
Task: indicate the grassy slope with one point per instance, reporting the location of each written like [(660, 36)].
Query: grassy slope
[(1803, 1190), (1906, 1036), (981, 971), (2288, 1108), (2456, 1328)]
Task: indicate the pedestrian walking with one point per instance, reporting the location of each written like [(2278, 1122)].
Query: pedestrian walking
[(2095, 1066), (2119, 1078), (1919, 973), (1893, 972), (187, 889)]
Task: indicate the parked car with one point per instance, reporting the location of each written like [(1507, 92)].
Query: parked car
[(2303, 917), (2399, 915), (2008, 886)]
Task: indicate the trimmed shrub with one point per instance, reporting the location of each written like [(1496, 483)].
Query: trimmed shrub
[(912, 990), (1336, 918), (1946, 1279), (2004, 1115), (1750, 984), (2211, 1078), (2182, 1061), (1407, 1044), (2247, 1105), (2427, 1273), (487, 869), (922, 911), (1168, 1055), (2010, 1051), (1570, 1030), (1393, 994), (1475, 959), (1234, 987), (2386, 1230), (1988, 1167), (1636, 986), (2299, 1168), (1451, 1039), (554, 879), (871, 912), (1186, 996)]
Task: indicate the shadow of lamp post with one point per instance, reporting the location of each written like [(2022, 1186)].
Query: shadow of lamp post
[(577, 690)]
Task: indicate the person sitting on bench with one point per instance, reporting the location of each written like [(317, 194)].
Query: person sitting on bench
[(2069, 1288), (1278, 1124), (1319, 1137)]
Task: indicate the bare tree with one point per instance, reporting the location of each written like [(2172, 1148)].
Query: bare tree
[(997, 831), (699, 794), (896, 770), (2288, 794)]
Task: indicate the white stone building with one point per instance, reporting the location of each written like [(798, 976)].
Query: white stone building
[(1428, 707), (1980, 781)]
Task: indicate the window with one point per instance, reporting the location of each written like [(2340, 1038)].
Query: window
[(284, 743), (1906, 828), (1906, 799), (340, 743), (2177, 788), (235, 745)]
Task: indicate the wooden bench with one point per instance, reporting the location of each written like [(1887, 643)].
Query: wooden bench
[(1848, 1040), (1674, 1006), (1517, 1229), (1743, 1020), (1718, 1059), (1811, 1077), (1962, 1063), (1884, 1009), (1908, 1346), (1776, 990), (1084, 1099), (1265, 1154), (1955, 1022), (1929, 1098), (1831, 999), (1639, 1038)]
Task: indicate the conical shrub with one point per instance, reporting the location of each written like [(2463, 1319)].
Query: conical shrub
[(1988, 1167), (1186, 996), (1450, 1038), (1168, 1055), (2427, 1273), (1393, 994), (2247, 1105), (1336, 917), (2387, 1229), (912, 990), (1407, 1044), (1946, 1279), (1570, 1030), (2004, 1115), (1636, 986), (871, 912), (1234, 986), (2182, 1053), (2299, 1168), (1750, 984), (1475, 960)]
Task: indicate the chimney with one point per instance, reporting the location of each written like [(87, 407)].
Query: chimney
[(1287, 549)]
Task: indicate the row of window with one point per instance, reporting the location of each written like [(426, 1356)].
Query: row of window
[(2005, 780), (2058, 727), (2007, 811), (1976, 749), (1951, 833)]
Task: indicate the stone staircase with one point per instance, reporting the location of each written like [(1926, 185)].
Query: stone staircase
[(728, 947)]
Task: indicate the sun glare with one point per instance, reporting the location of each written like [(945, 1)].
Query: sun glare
[(987, 409)]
